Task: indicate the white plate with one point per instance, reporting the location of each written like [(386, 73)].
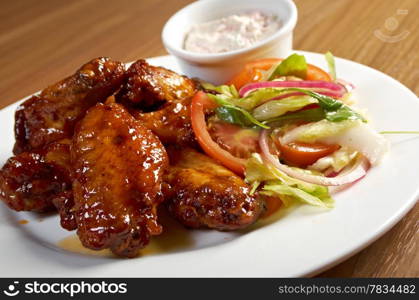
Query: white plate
[(300, 242)]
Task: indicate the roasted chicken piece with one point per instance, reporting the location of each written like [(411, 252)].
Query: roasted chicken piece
[(64, 203), (52, 115), (161, 100), (119, 167), (202, 193), (171, 123), (31, 180), (150, 85)]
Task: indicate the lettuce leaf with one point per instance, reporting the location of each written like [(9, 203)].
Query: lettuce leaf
[(309, 115), (256, 97), (334, 110), (229, 91), (227, 98), (276, 108), (315, 198), (331, 64), (290, 190), (293, 65), (313, 132), (238, 116), (335, 161), (231, 113), (236, 110), (249, 102)]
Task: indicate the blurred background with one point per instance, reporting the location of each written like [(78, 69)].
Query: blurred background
[(44, 41)]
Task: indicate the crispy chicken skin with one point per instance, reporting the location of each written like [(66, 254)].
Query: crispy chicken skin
[(119, 167), (149, 85), (31, 180), (52, 115), (64, 203), (171, 123), (161, 100), (202, 193)]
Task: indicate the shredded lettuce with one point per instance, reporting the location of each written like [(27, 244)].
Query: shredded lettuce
[(308, 115), (293, 65), (313, 132), (249, 112), (231, 113), (335, 110), (237, 110), (227, 98), (239, 116), (256, 97), (331, 64), (335, 161), (229, 91), (295, 194), (276, 108), (290, 190)]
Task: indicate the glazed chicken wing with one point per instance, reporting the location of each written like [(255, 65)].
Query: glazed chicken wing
[(118, 176), (51, 115), (31, 180), (161, 100), (171, 123), (202, 193), (39, 176), (64, 203), (149, 85)]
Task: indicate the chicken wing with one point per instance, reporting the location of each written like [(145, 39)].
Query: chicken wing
[(161, 100), (31, 180), (171, 123), (51, 115), (118, 176), (148, 86), (202, 193), (64, 203)]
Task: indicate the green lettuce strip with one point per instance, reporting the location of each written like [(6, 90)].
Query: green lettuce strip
[(273, 182)]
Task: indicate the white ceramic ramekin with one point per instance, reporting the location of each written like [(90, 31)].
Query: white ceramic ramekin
[(220, 67)]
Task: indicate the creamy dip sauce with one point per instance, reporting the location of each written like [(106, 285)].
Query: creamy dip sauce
[(231, 33)]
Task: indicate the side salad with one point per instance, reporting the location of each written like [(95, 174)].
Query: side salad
[(289, 128)]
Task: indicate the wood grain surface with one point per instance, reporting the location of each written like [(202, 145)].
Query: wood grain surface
[(43, 41)]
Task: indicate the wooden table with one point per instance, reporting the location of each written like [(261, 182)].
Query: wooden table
[(42, 41)]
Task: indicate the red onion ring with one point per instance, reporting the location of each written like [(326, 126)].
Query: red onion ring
[(333, 190), (318, 86), (356, 172), (347, 85)]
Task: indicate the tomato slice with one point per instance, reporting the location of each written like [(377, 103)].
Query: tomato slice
[(315, 73), (200, 103), (253, 72), (304, 154), (240, 142)]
